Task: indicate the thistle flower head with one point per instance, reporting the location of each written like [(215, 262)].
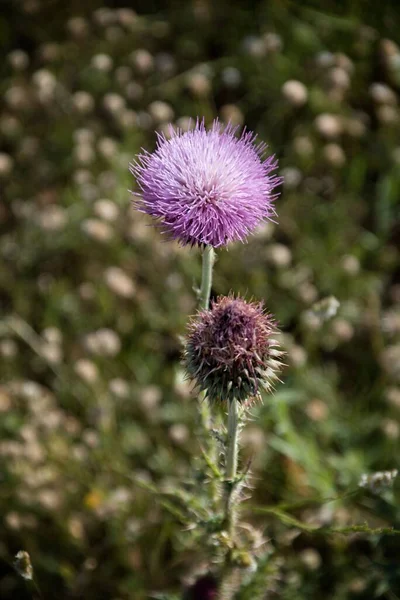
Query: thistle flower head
[(207, 187), (230, 350)]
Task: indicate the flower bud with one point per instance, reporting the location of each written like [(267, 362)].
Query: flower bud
[(231, 351)]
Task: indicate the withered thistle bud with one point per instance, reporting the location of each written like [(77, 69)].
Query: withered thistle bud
[(231, 351)]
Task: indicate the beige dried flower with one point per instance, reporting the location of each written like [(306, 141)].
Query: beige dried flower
[(278, 255), (52, 218), (78, 27), (303, 146), (103, 342), (114, 103), (97, 230), (119, 282), (199, 84), (83, 102), (119, 387), (161, 112), (230, 113), (106, 209), (382, 94), (334, 155), (328, 125), (84, 154), (23, 565), (295, 92), (142, 60), (107, 147), (18, 59), (6, 164), (102, 62)]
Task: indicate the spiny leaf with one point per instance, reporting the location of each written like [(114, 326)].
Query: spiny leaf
[(287, 519)]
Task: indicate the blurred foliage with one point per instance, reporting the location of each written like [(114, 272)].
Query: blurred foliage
[(99, 441)]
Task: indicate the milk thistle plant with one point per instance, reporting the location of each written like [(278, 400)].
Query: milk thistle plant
[(207, 188)]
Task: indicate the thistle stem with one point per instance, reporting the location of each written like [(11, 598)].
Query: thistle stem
[(208, 259), (231, 458), (232, 448), (206, 276)]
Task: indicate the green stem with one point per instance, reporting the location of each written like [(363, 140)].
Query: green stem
[(231, 459), (206, 276), (232, 449), (208, 260)]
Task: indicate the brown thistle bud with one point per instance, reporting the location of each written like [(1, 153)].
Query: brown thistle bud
[(231, 351)]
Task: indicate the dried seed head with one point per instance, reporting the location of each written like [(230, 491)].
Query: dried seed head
[(231, 351)]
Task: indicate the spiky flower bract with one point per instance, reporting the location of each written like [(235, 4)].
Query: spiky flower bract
[(230, 350), (207, 187)]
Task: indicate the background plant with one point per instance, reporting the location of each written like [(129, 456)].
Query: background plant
[(97, 420)]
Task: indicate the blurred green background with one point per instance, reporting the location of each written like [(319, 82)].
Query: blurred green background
[(96, 417)]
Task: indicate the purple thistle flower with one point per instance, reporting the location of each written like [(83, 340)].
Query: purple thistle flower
[(230, 350), (207, 187)]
